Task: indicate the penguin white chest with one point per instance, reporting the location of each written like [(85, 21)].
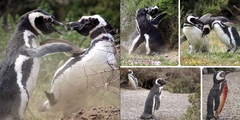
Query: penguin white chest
[(223, 37)]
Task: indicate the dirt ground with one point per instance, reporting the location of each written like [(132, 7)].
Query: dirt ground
[(172, 106), (231, 109), (97, 113)]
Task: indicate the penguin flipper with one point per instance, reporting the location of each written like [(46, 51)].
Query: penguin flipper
[(157, 102), (217, 100), (51, 98), (156, 20), (205, 17), (45, 49), (75, 52), (210, 111)]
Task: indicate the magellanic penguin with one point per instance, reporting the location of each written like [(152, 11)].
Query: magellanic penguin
[(217, 95), (227, 34), (20, 65), (224, 30), (90, 79), (132, 79), (146, 30), (153, 99), (192, 29), (154, 18)]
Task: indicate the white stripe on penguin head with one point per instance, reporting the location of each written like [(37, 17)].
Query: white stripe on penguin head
[(32, 16), (102, 22), (218, 76)]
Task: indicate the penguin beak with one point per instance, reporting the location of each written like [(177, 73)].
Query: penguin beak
[(55, 22), (74, 26), (227, 72)]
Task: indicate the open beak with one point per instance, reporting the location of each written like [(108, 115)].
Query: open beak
[(55, 22), (73, 26)]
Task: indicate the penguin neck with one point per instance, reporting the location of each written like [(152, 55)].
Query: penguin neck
[(25, 25), (99, 31)]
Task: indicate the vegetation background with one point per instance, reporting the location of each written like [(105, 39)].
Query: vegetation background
[(216, 56), (168, 28), (64, 11)]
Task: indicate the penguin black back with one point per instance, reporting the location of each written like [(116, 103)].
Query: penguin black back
[(18, 71), (153, 99), (215, 93)]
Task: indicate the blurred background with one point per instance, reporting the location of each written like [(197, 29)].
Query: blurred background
[(64, 11)]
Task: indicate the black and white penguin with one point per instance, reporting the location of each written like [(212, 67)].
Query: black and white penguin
[(87, 80), (153, 100), (224, 30), (20, 65), (132, 80), (147, 31), (227, 34), (217, 95), (192, 29), (154, 18)]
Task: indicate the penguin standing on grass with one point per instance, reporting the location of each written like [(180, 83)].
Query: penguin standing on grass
[(20, 65), (153, 100), (217, 95), (192, 29), (227, 34), (132, 80), (89, 77), (224, 30)]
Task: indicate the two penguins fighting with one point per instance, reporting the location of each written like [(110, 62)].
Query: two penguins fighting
[(195, 30)]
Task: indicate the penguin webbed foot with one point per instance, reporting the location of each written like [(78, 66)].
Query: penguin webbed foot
[(51, 98)]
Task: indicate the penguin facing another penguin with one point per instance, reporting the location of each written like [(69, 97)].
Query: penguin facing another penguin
[(20, 65), (147, 32), (217, 95), (192, 29), (153, 99), (89, 77)]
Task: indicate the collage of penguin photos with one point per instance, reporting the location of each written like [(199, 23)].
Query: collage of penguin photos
[(119, 60)]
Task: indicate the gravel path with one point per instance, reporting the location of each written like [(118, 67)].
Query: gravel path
[(172, 107), (231, 109)]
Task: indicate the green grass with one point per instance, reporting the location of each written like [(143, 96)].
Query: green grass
[(145, 60), (216, 57)]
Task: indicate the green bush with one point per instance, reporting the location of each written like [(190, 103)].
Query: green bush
[(181, 85), (193, 112), (168, 26)]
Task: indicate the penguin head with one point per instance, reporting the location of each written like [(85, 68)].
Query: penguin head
[(160, 82), (219, 76), (142, 12), (153, 10), (91, 25), (192, 19), (130, 71), (39, 22)]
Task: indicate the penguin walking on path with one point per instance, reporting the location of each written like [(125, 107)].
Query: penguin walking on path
[(192, 29), (132, 79), (20, 65), (153, 100), (90, 77), (217, 95)]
